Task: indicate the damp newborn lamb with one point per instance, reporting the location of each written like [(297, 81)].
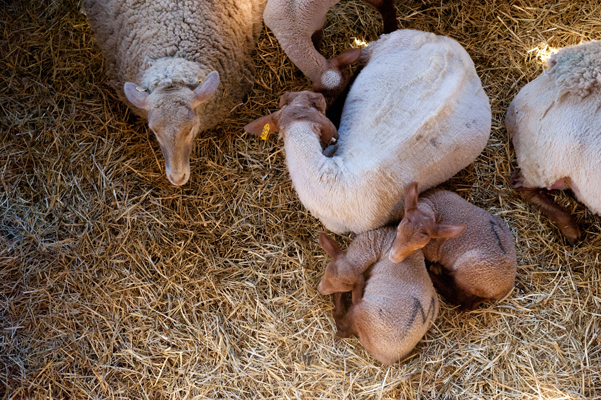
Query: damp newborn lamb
[(158, 53), (472, 248), (555, 126), (297, 24), (394, 304), (417, 111)]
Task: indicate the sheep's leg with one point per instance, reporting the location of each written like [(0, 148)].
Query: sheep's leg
[(316, 38), (560, 216), (388, 11)]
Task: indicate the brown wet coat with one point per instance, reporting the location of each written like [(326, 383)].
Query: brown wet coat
[(473, 249), (393, 304)]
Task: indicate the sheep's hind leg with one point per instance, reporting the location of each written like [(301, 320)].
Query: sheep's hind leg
[(561, 217), (388, 11)]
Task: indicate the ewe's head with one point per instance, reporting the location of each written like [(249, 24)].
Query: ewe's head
[(337, 277), (174, 121), (297, 106), (417, 227), (335, 78)]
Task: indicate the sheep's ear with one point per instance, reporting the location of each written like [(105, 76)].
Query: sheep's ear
[(448, 231), (265, 125), (329, 245), (411, 196), (205, 90), (348, 57), (136, 97)]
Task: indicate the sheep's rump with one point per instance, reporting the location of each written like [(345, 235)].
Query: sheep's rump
[(555, 124)]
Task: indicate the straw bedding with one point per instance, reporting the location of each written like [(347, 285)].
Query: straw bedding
[(114, 284)]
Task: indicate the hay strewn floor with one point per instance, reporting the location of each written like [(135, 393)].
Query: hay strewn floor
[(115, 284)]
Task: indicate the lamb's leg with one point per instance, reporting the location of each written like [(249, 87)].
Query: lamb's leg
[(445, 284), (388, 11), (562, 218), (316, 38), (358, 289), (341, 316)]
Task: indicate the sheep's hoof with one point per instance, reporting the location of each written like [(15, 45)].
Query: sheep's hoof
[(571, 231)]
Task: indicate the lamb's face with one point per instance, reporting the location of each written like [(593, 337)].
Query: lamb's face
[(333, 281), (413, 233), (175, 125)]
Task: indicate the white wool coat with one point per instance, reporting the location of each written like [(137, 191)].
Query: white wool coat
[(157, 43), (555, 124), (416, 112)]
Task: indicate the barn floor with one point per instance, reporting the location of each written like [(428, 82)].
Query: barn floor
[(114, 284)]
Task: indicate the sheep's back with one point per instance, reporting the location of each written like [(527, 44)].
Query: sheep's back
[(417, 109)]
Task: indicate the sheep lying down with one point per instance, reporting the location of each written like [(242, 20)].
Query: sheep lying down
[(555, 125), (183, 66), (416, 112)]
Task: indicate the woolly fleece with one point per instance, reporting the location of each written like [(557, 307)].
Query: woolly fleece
[(554, 123), (160, 43)]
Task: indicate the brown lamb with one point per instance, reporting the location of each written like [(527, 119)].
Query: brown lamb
[(472, 249), (394, 304)]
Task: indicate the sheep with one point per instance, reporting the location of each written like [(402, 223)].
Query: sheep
[(394, 304), (554, 125), (417, 111), (472, 249), (183, 67), (297, 24)]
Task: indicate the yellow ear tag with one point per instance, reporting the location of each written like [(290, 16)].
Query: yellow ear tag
[(265, 132)]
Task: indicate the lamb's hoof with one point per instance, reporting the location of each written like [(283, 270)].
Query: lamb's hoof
[(436, 269)]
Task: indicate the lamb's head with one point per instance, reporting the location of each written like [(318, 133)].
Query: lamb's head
[(417, 227), (297, 106), (173, 118), (338, 276), (335, 77)]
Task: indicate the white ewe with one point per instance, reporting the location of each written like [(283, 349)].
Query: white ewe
[(157, 53), (417, 112), (555, 126)]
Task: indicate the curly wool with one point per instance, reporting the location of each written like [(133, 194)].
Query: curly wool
[(577, 69), (162, 43)]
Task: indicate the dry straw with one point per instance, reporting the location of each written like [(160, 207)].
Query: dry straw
[(116, 285)]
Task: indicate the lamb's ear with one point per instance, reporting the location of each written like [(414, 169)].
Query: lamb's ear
[(448, 231), (411, 195), (319, 102), (348, 57), (265, 125), (329, 133), (136, 97), (287, 98), (205, 90), (329, 245)]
